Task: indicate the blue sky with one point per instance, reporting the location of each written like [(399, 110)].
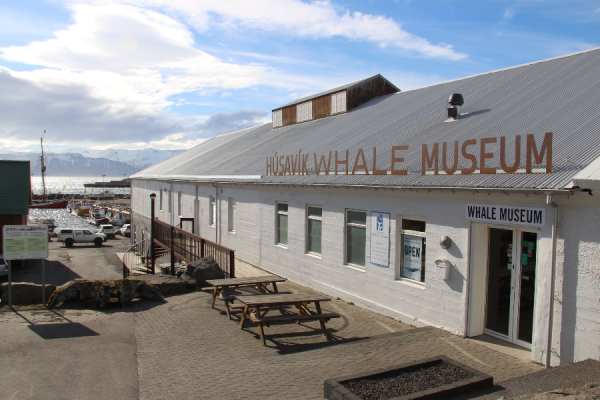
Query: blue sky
[(170, 74)]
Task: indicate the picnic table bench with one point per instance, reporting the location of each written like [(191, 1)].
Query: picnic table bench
[(221, 287), (254, 303)]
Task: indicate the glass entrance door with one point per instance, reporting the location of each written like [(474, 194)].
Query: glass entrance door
[(512, 256), (499, 281)]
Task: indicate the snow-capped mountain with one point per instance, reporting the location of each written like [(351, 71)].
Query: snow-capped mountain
[(79, 162)]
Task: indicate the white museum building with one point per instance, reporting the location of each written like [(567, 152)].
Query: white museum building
[(468, 205)]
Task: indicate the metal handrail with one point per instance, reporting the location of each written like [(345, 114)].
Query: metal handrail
[(136, 255)]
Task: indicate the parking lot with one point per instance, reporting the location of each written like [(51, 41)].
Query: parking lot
[(83, 260)]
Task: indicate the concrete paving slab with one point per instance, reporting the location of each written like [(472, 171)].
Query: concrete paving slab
[(76, 354)]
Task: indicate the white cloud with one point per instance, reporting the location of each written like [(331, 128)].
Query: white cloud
[(315, 20), (509, 13)]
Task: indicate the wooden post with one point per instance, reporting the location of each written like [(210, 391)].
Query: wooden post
[(172, 250), (231, 264), (152, 199), (201, 248)]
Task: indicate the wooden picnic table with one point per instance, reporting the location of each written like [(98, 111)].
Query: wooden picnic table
[(254, 303), (220, 286)]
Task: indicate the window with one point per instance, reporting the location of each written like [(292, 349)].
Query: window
[(179, 198), (277, 118), (304, 112), (212, 208), (314, 222), (282, 223), (160, 200), (412, 245), (356, 237), (231, 214), (338, 102)]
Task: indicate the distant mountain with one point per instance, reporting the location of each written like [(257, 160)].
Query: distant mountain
[(110, 162)]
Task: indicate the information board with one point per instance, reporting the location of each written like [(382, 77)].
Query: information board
[(25, 242), (380, 238)]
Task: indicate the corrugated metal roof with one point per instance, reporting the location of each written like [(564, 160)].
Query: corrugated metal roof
[(560, 95), (334, 90), (16, 187)]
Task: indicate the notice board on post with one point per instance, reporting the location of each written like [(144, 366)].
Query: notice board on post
[(22, 242), (380, 238)]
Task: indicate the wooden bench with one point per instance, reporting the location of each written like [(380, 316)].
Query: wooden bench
[(287, 318)]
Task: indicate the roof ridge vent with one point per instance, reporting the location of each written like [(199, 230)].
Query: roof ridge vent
[(456, 100)]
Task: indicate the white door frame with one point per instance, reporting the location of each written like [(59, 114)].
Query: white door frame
[(516, 281)]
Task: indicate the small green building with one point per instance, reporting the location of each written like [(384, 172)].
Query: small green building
[(15, 193)]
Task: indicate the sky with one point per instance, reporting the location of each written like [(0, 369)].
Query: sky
[(169, 74)]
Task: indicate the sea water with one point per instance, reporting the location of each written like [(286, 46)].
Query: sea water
[(73, 185)]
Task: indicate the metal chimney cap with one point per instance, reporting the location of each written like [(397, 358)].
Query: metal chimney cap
[(456, 99)]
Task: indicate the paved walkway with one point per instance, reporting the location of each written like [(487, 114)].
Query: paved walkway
[(184, 349)]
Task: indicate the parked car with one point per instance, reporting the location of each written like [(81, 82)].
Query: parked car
[(107, 229), (125, 230), (3, 266), (63, 231), (81, 236)]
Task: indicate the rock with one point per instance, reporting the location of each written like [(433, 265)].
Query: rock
[(101, 293), (168, 285), (205, 269), (25, 293)]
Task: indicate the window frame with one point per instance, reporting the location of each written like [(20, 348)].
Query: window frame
[(231, 214), (400, 258), (346, 243), (277, 227), (307, 233)]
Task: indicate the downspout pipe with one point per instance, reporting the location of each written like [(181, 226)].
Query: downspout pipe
[(468, 278), (216, 216), (552, 280)]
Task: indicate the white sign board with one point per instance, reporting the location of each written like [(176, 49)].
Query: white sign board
[(506, 215), (25, 242), (380, 238), (412, 260)]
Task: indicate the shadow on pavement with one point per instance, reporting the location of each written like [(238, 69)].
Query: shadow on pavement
[(56, 273), (62, 331)]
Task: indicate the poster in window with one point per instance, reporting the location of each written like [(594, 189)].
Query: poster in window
[(412, 248), (380, 238)]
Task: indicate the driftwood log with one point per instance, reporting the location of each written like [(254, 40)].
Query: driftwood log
[(100, 293)]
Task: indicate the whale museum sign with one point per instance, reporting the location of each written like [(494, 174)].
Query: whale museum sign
[(506, 215), (432, 162)]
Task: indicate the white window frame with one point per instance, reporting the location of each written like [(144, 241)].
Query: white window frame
[(212, 208), (338, 102), (277, 118), (232, 211), (277, 214), (400, 236), (309, 217), (304, 111), (346, 225)]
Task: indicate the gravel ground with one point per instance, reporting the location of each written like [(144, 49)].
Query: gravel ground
[(394, 384)]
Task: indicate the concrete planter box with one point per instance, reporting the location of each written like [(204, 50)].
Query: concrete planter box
[(334, 388)]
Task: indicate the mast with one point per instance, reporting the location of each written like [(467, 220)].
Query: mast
[(43, 168)]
